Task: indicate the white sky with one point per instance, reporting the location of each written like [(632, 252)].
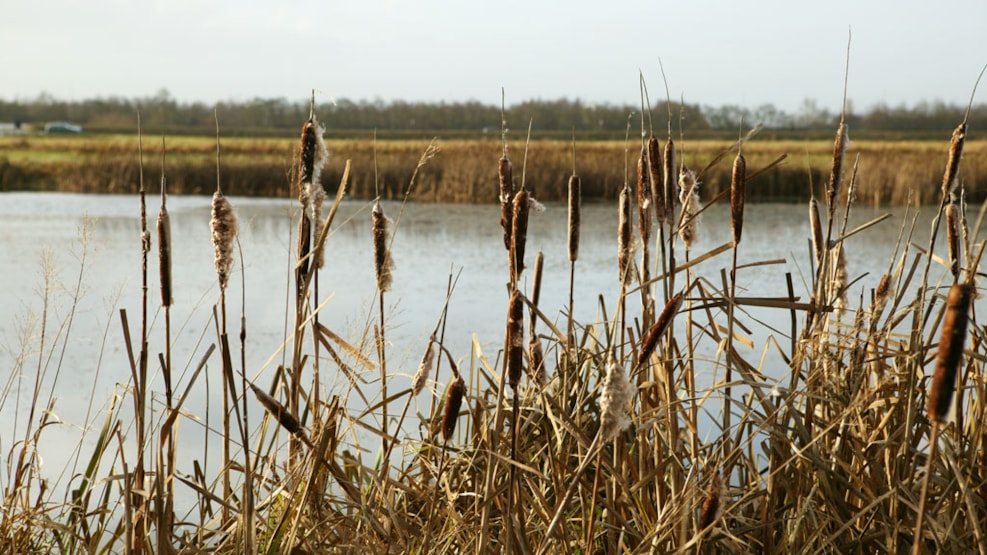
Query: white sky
[(744, 52)]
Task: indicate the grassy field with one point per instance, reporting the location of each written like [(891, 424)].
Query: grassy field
[(891, 173), (577, 438)]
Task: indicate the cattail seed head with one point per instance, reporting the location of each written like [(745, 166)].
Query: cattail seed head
[(840, 279), (279, 412), (617, 393), (657, 179), (738, 186), (712, 508), (625, 238), (424, 367), (815, 223), (317, 200), (313, 153), (836, 175), (224, 227), (304, 243), (669, 163), (506, 174), (383, 264), (519, 231), (575, 200), (164, 250), (882, 293), (453, 402), (536, 362), (689, 197), (953, 164), (660, 327), (950, 349), (953, 234), (515, 339), (644, 195)]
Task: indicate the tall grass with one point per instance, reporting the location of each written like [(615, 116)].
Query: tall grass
[(618, 449)]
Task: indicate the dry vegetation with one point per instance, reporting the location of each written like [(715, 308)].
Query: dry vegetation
[(583, 438), (891, 173)]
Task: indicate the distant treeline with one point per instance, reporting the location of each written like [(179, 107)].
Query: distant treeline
[(162, 113)]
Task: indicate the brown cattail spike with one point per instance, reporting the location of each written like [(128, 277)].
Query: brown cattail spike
[(424, 367), (712, 507), (953, 164), (815, 223), (644, 195), (689, 197), (575, 199), (950, 349), (836, 175), (671, 179), (657, 178), (515, 339), (625, 237), (953, 234), (738, 182), (453, 402), (279, 412), (224, 227), (519, 231), (383, 264), (660, 327), (506, 173), (164, 250)]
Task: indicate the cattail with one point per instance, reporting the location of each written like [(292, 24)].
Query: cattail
[(712, 508), (313, 154), (280, 413), (424, 367), (224, 227), (575, 200), (318, 198), (815, 223), (738, 187), (953, 233), (660, 327), (519, 231), (515, 339), (657, 179), (383, 264), (840, 279), (953, 164), (164, 249), (669, 163), (304, 242), (836, 177), (617, 393), (536, 362), (454, 401), (881, 293), (644, 195), (689, 197), (506, 173), (950, 349), (625, 237)]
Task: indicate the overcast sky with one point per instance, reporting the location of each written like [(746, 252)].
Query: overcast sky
[(743, 52)]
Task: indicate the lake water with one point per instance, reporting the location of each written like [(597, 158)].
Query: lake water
[(83, 366)]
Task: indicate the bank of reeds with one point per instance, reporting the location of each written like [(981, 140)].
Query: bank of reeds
[(257, 167), (622, 450)]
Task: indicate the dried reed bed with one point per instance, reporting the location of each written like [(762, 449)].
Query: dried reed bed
[(619, 452), (257, 167)]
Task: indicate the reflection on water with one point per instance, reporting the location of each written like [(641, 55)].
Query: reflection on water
[(433, 244)]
